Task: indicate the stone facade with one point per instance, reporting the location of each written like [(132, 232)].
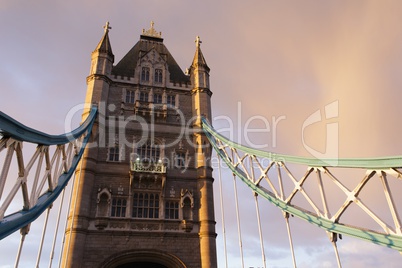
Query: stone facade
[(143, 192)]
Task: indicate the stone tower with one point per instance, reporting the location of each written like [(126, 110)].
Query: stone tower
[(143, 192)]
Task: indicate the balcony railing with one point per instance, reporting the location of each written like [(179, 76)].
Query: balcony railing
[(149, 167), (142, 107)]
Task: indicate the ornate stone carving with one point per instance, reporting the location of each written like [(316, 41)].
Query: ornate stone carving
[(171, 226), (141, 226), (186, 225), (151, 32), (101, 223)]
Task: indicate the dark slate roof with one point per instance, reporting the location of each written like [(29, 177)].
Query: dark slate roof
[(127, 64)]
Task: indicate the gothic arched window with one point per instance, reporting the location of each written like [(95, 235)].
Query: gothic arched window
[(145, 74), (149, 152), (180, 159), (144, 96), (171, 100), (157, 98), (130, 96), (114, 153), (158, 76)]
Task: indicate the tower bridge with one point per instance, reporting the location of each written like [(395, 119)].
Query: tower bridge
[(141, 178)]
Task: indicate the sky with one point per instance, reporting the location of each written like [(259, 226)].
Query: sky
[(273, 64)]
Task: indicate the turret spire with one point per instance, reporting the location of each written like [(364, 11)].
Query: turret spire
[(102, 56), (199, 60), (104, 44)]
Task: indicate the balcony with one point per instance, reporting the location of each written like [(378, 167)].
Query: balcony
[(144, 108), (147, 175), (148, 167)]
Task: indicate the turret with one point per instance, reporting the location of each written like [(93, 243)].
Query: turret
[(199, 75), (201, 97), (98, 81), (98, 85)]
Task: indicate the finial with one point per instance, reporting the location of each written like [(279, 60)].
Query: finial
[(107, 27), (197, 41), (152, 32)]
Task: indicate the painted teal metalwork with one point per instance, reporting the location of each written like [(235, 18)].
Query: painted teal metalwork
[(388, 240), (367, 163), (11, 128)]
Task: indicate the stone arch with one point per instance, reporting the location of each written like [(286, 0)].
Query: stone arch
[(103, 202), (187, 213), (187, 204), (142, 258)]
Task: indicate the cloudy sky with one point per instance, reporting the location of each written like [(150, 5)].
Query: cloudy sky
[(276, 61)]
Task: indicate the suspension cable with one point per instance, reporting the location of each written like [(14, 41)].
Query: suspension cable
[(286, 215), (260, 229), (57, 228), (222, 212), (43, 236), (73, 214), (337, 255), (17, 259), (23, 232), (238, 217), (333, 237), (66, 221), (258, 217), (59, 216)]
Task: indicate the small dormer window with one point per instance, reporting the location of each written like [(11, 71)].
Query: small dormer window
[(145, 74), (158, 76)]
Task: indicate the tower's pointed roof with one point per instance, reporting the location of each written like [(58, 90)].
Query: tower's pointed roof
[(104, 44), (150, 39), (199, 59)]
